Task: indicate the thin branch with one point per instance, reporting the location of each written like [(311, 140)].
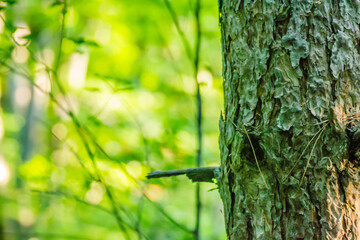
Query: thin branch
[(179, 30), (200, 174), (61, 37), (199, 117)]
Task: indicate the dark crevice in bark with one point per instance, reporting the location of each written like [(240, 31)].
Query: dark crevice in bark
[(357, 45), (250, 229), (232, 206), (329, 53), (285, 215), (332, 79), (275, 212), (341, 185), (275, 111), (332, 13), (342, 194), (304, 62), (317, 223), (288, 136), (281, 198), (248, 153), (240, 5), (257, 113), (282, 22), (354, 144)]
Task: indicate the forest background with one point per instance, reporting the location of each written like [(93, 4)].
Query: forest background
[(96, 94)]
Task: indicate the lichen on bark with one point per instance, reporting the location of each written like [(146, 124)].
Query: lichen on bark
[(291, 72)]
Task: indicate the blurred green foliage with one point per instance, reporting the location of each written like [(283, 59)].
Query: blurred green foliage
[(116, 100)]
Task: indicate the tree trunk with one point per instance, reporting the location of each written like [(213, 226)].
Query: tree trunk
[(290, 138)]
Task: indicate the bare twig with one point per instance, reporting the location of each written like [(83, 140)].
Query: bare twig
[(201, 174)]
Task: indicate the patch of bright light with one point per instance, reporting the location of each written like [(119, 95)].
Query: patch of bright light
[(26, 217), (4, 172), (43, 81), (2, 130), (146, 100), (60, 131), (103, 33), (22, 95), (78, 69), (2, 25), (46, 56), (95, 194), (205, 77), (22, 31), (20, 54), (134, 169), (112, 148), (154, 192), (114, 103), (153, 129)]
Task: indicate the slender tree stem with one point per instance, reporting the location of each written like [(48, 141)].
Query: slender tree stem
[(61, 37), (195, 61), (199, 116)]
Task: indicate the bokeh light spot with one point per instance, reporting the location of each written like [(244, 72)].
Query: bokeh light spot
[(60, 131), (4, 172), (95, 194), (26, 217)]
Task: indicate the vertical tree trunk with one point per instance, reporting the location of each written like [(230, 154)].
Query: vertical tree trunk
[(291, 82)]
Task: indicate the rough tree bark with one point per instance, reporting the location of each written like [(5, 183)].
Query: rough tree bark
[(292, 83)]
